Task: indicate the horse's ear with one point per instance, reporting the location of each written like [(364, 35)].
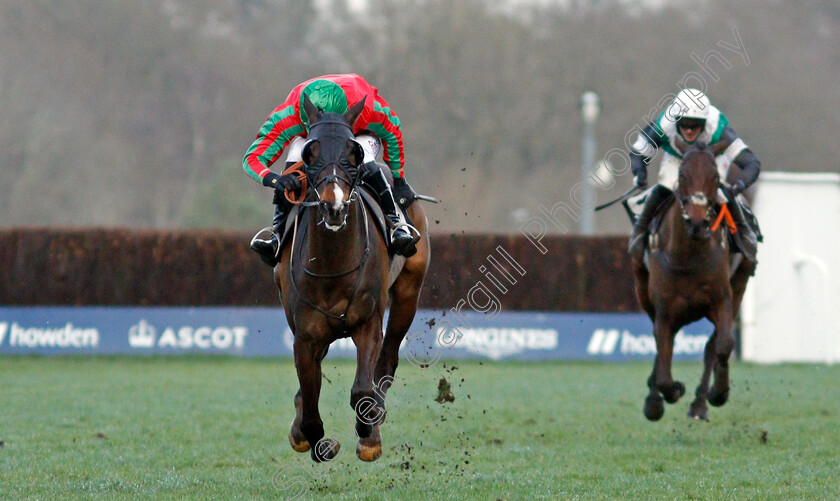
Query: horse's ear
[(353, 113), (311, 111), (681, 145)]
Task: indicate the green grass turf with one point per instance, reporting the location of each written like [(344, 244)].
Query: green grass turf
[(216, 428)]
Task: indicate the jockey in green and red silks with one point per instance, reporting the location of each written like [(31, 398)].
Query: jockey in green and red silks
[(331, 93), (376, 129)]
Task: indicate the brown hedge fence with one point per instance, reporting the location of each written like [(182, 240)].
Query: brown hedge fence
[(50, 266)]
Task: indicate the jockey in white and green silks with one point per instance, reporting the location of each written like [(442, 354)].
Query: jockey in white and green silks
[(691, 117)]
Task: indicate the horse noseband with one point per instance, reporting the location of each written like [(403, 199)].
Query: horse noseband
[(697, 199), (342, 206)]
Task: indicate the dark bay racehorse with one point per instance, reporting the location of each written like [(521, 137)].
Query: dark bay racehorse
[(336, 278), (689, 277)]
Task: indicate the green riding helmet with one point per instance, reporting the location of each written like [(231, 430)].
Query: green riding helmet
[(326, 95)]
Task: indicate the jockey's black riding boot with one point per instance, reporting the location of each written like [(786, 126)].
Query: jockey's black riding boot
[(639, 237), (403, 193), (402, 242), (748, 240), (269, 248)]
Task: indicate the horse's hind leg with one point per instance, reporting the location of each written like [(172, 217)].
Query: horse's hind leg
[(739, 280), (698, 408), (404, 295), (363, 400), (308, 356)]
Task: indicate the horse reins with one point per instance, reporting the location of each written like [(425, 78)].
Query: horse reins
[(342, 318), (297, 170)]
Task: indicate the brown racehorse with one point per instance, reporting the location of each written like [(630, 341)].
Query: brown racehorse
[(689, 278), (336, 279)]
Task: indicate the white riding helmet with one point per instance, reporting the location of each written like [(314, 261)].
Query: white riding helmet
[(691, 103)]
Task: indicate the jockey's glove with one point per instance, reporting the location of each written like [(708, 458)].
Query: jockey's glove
[(641, 179), (735, 189), (639, 168), (287, 182)]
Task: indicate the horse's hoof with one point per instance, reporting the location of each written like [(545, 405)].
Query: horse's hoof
[(698, 411), (368, 452), (325, 450), (298, 441), (654, 407), (717, 398), (370, 448), (677, 391)]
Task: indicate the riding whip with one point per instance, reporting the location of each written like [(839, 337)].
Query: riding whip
[(632, 191)]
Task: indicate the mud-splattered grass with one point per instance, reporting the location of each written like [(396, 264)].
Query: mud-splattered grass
[(216, 428)]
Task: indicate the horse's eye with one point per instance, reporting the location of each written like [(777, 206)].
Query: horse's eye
[(310, 152), (355, 153)]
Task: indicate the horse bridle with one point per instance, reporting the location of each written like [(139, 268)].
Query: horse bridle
[(335, 177), (338, 130), (698, 198)]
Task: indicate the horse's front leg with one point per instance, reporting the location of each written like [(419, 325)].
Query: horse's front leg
[(698, 408), (642, 278), (664, 332), (296, 437), (722, 317), (308, 356), (363, 399), (654, 405)]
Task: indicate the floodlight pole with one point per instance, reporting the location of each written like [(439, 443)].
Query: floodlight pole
[(589, 110)]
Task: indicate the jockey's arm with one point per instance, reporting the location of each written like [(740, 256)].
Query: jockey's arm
[(750, 166), (389, 132), (740, 154), (273, 138), (642, 151)]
